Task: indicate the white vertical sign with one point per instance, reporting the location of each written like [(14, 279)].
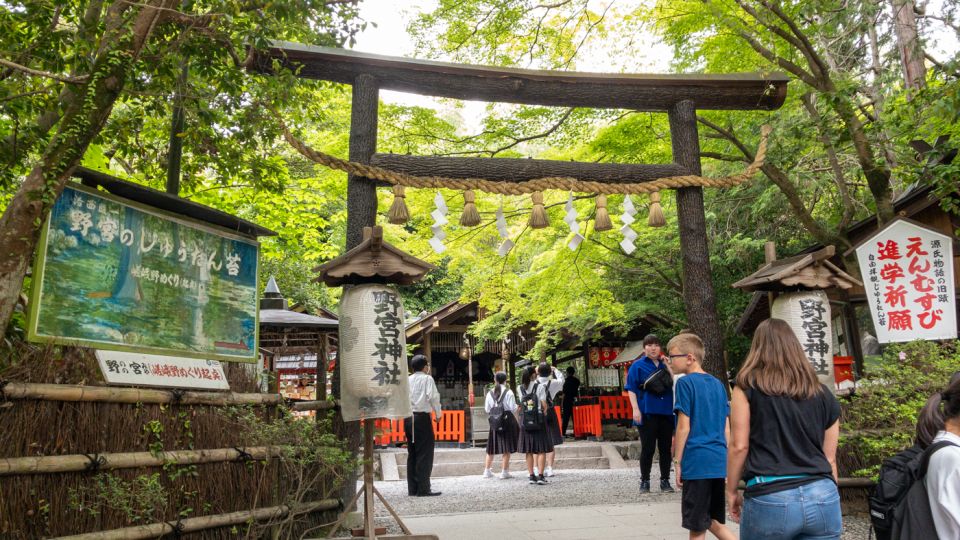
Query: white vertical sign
[(907, 271), (808, 314)]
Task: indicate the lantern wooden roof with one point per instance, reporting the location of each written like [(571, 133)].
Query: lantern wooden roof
[(808, 270), (373, 261)]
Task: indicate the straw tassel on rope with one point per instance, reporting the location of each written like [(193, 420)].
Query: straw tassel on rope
[(656, 218), (398, 213), (602, 221), (538, 217), (470, 216)]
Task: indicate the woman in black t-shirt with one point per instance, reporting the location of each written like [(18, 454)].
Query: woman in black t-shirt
[(784, 429)]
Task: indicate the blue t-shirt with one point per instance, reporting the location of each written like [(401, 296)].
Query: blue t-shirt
[(702, 398), (648, 402)]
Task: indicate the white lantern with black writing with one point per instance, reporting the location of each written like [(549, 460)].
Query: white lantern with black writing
[(373, 358), (808, 314)]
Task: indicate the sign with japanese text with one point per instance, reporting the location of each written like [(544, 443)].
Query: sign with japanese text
[(808, 314), (907, 272), (603, 378), (115, 275), (126, 368), (373, 362)]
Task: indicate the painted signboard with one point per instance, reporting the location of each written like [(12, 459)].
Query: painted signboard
[(808, 314), (907, 272), (115, 275), (127, 368)]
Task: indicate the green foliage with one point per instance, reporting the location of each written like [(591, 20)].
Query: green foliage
[(140, 500), (881, 420)]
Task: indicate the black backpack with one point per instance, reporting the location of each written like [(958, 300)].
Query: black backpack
[(531, 413), (498, 416), (899, 507)]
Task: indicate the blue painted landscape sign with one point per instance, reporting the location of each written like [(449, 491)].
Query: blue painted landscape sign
[(115, 275)]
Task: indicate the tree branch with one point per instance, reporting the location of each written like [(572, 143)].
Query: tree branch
[(41, 73)]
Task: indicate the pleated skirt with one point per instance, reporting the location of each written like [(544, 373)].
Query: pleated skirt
[(553, 426), (535, 442), (506, 441)]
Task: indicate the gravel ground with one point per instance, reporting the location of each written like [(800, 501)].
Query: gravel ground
[(568, 488)]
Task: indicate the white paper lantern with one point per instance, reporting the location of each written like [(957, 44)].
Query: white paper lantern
[(808, 314), (373, 358)]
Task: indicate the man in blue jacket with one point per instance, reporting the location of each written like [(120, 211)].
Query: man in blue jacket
[(652, 412)]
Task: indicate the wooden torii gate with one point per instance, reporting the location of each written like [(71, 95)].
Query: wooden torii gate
[(680, 96)]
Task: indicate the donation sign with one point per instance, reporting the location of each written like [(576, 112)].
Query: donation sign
[(907, 272), (115, 275), (127, 368)]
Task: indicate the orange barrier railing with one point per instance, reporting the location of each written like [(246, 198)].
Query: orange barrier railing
[(556, 409), (586, 421), (449, 428), (615, 407)]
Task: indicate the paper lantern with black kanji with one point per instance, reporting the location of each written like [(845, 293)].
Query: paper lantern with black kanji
[(373, 358), (808, 314)]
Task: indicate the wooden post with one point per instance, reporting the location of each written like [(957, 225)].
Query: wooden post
[(371, 529), (426, 348), (361, 212), (769, 256), (323, 358), (586, 365), (362, 192), (699, 298)]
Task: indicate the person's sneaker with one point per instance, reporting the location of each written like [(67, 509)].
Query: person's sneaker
[(504, 474), (541, 480), (644, 486), (487, 473), (533, 479), (548, 471), (665, 487)]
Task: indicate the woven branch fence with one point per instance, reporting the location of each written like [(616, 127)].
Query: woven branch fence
[(61, 440)]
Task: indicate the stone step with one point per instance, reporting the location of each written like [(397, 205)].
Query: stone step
[(517, 466), (477, 455)]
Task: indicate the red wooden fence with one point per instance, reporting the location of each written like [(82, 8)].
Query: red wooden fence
[(449, 428), (586, 421), (615, 407)]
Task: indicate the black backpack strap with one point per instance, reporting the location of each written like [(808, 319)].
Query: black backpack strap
[(928, 453)]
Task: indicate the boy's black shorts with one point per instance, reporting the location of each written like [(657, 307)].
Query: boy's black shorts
[(703, 501)]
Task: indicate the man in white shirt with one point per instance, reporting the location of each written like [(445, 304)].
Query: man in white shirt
[(424, 399)]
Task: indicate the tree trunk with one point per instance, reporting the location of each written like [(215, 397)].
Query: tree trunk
[(83, 119), (908, 44), (361, 212), (699, 298)]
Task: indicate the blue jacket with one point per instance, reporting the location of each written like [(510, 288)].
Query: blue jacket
[(648, 402)]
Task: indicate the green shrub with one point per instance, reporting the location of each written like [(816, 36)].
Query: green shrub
[(881, 418)]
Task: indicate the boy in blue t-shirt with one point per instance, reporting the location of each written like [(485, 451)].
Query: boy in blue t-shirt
[(700, 401)]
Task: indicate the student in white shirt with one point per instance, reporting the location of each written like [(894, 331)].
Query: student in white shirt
[(424, 399), (536, 443), (554, 386), (503, 441), (943, 472)]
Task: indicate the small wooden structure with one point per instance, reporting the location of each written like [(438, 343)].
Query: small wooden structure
[(808, 270), (295, 344), (372, 261)]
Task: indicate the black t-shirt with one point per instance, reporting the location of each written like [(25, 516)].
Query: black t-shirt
[(570, 387), (786, 438)]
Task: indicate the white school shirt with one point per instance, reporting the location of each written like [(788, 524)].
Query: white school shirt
[(943, 486), (424, 395), (509, 401), (556, 385)]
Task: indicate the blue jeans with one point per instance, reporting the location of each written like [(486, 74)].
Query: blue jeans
[(807, 512)]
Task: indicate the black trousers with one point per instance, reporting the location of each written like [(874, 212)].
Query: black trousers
[(656, 433), (419, 433), (566, 409)]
